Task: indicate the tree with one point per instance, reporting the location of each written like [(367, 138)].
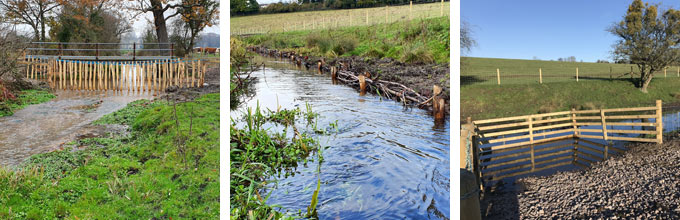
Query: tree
[(466, 41), (34, 13), (647, 40), (158, 8), (88, 21), (201, 14)]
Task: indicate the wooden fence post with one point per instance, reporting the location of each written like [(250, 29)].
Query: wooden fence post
[(604, 124), (441, 9), (573, 122), (366, 17), (659, 122), (576, 74), (498, 75), (540, 76), (410, 10), (387, 14)]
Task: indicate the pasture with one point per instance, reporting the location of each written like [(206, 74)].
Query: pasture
[(476, 70), (310, 20)]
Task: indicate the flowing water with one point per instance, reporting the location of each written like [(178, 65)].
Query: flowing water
[(385, 161), (45, 127)]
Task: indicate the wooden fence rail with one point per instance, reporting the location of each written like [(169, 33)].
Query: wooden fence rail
[(506, 147), (141, 76)]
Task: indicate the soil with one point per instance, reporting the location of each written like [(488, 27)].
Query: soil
[(211, 85), (642, 183)]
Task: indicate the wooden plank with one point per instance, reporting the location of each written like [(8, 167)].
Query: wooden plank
[(526, 143), (630, 116), (633, 139), (631, 124), (587, 118), (659, 121), (527, 136), (494, 134), (632, 131), (486, 128), (630, 109), (589, 123), (553, 126), (478, 122), (589, 136), (587, 111), (552, 120)]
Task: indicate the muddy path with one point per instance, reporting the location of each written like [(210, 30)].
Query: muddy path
[(46, 127)]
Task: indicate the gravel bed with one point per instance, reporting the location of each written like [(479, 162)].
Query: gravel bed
[(643, 183)]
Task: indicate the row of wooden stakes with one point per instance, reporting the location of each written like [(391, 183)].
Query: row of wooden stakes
[(154, 76)]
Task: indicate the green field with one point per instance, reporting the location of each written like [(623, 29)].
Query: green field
[(334, 18), (513, 71), (23, 99), (524, 95), (166, 168)]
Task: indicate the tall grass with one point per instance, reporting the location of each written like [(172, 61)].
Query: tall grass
[(416, 41)]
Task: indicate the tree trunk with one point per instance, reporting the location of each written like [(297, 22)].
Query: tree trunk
[(645, 79), (159, 22), (42, 27)]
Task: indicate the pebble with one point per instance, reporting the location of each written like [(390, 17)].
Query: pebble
[(642, 183)]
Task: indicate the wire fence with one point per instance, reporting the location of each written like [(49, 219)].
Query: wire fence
[(96, 50), (500, 76), (313, 20)]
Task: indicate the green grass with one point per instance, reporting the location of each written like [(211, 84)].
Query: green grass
[(420, 40), (481, 101), (325, 19), (514, 71), (141, 176), (24, 98)]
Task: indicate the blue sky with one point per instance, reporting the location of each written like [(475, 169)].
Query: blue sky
[(545, 29)]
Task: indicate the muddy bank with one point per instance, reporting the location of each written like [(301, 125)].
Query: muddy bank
[(642, 183), (211, 85), (418, 79)]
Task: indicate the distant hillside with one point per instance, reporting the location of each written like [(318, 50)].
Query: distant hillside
[(208, 40)]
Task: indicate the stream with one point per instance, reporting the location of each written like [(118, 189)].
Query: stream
[(384, 162)]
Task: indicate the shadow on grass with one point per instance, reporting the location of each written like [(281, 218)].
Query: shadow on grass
[(469, 80)]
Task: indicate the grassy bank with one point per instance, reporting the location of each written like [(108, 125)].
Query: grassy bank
[(166, 168), (491, 101), (514, 71), (23, 99), (420, 40), (333, 18)]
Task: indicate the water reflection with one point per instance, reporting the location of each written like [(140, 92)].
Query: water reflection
[(385, 162)]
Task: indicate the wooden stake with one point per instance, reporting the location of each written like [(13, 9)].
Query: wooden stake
[(540, 76), (193, 73), (362, 84), (441, 9), (498, 75), (659, 122), (576, 74), (604, 125), (410, 10)]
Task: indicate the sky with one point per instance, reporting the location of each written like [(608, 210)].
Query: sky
[(547, 30)]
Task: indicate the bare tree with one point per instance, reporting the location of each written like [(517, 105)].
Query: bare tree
[(34, 13)]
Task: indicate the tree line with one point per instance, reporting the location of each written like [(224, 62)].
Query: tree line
[(105, 21), (249, 7)]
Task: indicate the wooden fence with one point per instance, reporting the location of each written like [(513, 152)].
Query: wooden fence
[(140, 76), (501, 148)]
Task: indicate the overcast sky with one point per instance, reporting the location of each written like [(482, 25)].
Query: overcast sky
[(138, 25)]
